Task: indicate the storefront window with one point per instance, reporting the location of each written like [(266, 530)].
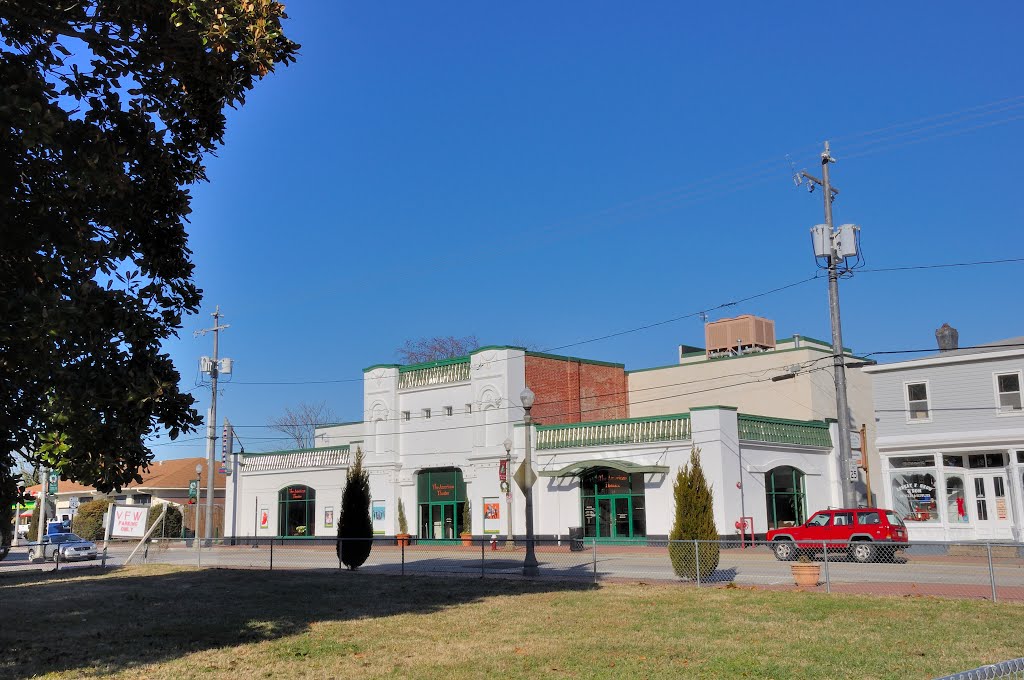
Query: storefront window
[(956, 500), (442, 499), (911, 461), (784, 489), (913, 496), (953, 461), (985, 460), (296, 511)]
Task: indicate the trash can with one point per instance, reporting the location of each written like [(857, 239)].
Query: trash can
[(576, 539)]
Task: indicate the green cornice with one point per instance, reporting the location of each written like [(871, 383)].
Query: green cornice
[(559, 357), (713, 407), (370, 368), (487, 347), (434, 364), (615, 421)]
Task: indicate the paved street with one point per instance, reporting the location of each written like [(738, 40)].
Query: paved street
[(942, 574)]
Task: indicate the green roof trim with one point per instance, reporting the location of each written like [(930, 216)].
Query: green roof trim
[(487, 347), (675, 427), (434, 364), (320, 449), (657, 368), (576, 469), (370, 368), (560, 357), (784, 431), (713, 407)]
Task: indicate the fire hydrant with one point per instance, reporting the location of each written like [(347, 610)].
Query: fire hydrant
[(494, 542)]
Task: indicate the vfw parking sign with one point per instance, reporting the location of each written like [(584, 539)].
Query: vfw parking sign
[(129, 521)]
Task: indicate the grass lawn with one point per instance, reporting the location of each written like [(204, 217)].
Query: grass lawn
[(167, 622)]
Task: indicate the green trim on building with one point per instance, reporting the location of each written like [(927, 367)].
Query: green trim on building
[(433, 364), (713, 407), (576, 469), (784, 431), (674, 427), (560, 357), (370, 368), (656, 368), (487, 347)]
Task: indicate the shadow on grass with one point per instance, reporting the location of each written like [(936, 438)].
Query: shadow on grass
[(84, 619)]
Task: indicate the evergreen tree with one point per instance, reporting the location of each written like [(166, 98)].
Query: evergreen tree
[(355, 526), (403, 523), (694, 520)]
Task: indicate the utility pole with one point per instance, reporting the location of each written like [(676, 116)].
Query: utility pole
[(41, 502), (835, 259), (214, 369)]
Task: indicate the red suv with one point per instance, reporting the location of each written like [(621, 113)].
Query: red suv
[(858, 530)]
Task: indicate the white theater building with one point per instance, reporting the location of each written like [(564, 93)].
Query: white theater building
[(434, 435)]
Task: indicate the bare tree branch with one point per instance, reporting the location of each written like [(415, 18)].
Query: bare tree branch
[(438, 347), (300, 423)]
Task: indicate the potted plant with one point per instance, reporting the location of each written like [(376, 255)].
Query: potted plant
[(403, 526), (467, 525), (805, 572)]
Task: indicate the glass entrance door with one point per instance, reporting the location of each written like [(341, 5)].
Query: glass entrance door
[(993, 515), (614, 517), (438, 520)]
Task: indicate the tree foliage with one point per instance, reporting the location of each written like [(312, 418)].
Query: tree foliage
[(88, 521), (300, 424), (694, 520), (355, 522), (436, 348), (107, 110)]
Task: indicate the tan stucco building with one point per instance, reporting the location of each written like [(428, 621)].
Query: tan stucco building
[(743, 380)]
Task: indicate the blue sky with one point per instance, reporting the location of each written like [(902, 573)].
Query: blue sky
[(554, 172)]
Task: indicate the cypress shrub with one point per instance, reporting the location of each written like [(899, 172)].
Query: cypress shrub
[(171, 522), (694, 520), (355, 521), (88, 521), (403, 523)]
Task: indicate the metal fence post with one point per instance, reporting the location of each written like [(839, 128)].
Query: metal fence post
[(56, 560), (594, 542), (991, 572), (696, 556), (403, 555), (828, 580), (199, 555), (271, 554), (483, 556), (103, 562)]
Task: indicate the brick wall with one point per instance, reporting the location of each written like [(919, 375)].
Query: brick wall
[(570, 390)]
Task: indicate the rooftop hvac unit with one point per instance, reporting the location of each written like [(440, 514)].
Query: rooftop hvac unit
[(741, 334)]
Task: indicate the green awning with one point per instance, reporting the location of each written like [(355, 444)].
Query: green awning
[(576, 469)]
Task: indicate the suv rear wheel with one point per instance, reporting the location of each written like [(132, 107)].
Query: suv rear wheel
[(784, 549), (862, 551)]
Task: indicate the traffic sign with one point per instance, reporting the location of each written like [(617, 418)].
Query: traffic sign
[(73, 503), (854, 472), (524, 477)]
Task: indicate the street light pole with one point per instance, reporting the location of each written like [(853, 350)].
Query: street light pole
[(508, 490), (530, 565)]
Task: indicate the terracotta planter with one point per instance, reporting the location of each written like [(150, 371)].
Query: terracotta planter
[(403, 539), (806, 574), (467, 539)]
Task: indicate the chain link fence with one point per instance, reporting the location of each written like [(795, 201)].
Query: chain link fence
[(1014, 668), (993, 571)]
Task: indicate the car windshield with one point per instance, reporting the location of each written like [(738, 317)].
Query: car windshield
[(894, 518), (65, 538), (818, 520)]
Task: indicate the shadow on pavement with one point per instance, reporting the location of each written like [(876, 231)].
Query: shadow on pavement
[(120, 619)]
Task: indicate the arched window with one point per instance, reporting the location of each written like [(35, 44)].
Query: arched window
[(787, 505), (296, 511)]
